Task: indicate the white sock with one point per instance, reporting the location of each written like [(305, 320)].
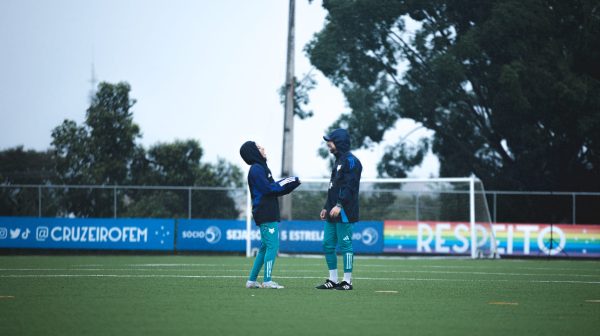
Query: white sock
[(333, 275), (348, 277)]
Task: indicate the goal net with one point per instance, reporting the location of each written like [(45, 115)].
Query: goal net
[(433, 216)]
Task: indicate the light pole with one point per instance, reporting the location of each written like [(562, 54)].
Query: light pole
[(287, 157)]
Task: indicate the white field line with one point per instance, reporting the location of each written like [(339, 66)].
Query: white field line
[(597, 269), (466, 259), (485, 267), (279, 277), (172, 265), (374, 266), (283, 270)]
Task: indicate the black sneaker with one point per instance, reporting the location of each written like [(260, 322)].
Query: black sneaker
[(343, 286), (327, 285)]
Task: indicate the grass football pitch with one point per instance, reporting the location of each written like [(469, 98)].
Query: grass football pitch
[(205, 295)]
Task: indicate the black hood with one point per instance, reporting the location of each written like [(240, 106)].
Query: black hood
[(341, 139), (251, 155)]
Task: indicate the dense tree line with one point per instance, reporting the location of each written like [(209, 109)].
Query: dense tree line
[(103, 151), (510, 88)]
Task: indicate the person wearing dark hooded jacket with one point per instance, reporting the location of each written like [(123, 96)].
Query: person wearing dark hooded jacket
[(341, 209), (264, 191)]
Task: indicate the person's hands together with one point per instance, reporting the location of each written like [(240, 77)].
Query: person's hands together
[(335, 211)]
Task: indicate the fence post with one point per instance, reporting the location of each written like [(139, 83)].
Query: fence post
[(39, 201), (574, 209), (190, 203), (495, 205), (417, 207), (115, 202)]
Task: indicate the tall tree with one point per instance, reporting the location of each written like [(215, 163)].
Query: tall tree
[(100, 152), (511, 88), (103, 152)]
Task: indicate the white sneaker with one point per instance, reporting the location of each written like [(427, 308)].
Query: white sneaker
[(252, 284), (272, 284)]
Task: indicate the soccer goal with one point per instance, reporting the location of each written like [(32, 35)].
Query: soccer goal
[(421, 216)]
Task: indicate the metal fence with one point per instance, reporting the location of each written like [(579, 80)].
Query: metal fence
[(544, 207), (122, 201), (231, 203)]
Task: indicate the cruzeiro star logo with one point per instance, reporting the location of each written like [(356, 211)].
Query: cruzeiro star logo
[(162, 234), (271, 230)]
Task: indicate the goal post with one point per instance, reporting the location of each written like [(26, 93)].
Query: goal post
[(456, 204)]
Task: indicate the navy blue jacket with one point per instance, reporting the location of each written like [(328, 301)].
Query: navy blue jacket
[(345, 179), (263, 189)]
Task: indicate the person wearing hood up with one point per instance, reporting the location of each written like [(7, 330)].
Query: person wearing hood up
[(341, 209), (265, 211)]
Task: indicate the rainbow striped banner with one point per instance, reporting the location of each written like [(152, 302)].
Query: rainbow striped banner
[(430, 237)]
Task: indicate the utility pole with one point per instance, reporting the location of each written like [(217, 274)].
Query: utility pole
[(287, 157)]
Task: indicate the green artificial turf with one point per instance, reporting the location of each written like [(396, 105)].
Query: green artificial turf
[(205, 295)]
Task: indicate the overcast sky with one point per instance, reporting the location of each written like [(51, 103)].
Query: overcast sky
[(204, 70)]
